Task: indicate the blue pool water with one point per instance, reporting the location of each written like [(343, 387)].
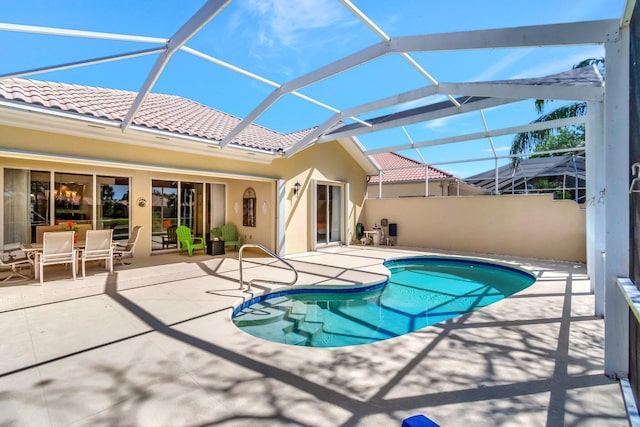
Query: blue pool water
[(421, 291)]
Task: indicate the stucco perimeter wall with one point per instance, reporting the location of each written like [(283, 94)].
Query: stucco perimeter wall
[(533, 226)]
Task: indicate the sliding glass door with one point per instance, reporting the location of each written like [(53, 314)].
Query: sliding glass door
[(36, 200), (191, 204), (329, 214), (113, 205), (17, 203), (196, 205)]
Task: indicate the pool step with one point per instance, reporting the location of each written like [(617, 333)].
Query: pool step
[(295, 338), (277, 331), (310, 329), (290, 321), (262, 313), (308, 320), (314, 314)]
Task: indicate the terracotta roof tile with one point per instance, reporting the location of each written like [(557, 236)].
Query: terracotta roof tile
[(164, 112), (398, 168)]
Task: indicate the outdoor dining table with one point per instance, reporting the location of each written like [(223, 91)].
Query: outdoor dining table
[(31, 249)]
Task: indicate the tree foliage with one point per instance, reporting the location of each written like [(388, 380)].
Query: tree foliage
[(567, 137), (572, 137)]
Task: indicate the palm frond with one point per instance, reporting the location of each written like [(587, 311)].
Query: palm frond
[(526, 142)]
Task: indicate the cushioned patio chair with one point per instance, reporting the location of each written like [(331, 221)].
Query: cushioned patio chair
[(188, 241), (230, 235), (98, 247), (122, 252)]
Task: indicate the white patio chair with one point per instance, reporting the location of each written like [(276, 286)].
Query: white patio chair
[(57, 248), (97, 247), (121, 252), (14, 266)]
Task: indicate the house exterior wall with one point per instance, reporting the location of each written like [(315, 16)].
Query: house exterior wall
[(328, 161), (416, 189), (528, 226)]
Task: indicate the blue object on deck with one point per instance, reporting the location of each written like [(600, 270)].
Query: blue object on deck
[(418, 421)]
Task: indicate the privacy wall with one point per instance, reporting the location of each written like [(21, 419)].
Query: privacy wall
[(533, 226)]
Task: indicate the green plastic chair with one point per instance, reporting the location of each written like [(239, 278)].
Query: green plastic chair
[(188, 241), (230, 235)]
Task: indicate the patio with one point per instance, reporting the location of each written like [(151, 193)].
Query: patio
[(153, 345)]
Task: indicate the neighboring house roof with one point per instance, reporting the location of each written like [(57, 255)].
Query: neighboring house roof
[(529, 169), (400, 169), (164, 112)]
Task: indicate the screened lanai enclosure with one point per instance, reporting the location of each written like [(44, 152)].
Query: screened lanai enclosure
[(562, 176), (386, 82)]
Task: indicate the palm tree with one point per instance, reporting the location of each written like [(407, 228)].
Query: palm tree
[(526, 142)]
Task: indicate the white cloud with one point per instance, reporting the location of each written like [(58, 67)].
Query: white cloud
[(439, 124), (512, 58), (283, 21)]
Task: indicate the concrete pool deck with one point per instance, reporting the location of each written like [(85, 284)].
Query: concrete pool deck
[(153, 345)]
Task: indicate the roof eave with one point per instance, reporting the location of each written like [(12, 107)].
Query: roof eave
[(35, 117), (356, 151)]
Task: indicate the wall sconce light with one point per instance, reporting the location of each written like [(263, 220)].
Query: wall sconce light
[(296, 188)]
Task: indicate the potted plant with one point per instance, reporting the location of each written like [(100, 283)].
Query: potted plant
[(72, 227)]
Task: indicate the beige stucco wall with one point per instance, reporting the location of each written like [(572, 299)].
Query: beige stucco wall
[(529, 225), (327, 162), (416, 189)]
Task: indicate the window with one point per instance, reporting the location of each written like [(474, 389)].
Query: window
[(35, 200), (249, 208), (73, 198), (113, 205)]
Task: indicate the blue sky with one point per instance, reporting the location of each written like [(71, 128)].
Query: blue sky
[(279, 42)]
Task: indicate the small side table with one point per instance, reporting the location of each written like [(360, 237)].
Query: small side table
[(215, 247)]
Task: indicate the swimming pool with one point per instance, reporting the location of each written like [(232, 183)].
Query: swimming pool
[(421, 291)]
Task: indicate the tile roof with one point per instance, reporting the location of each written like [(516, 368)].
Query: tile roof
[(398, 168), (164, 112)]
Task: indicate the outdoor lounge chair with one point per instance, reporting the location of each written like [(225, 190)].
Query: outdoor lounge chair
[(14, 266), (122, 252), (188, 241), (57, 248), (230, 235), (98, 247)]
